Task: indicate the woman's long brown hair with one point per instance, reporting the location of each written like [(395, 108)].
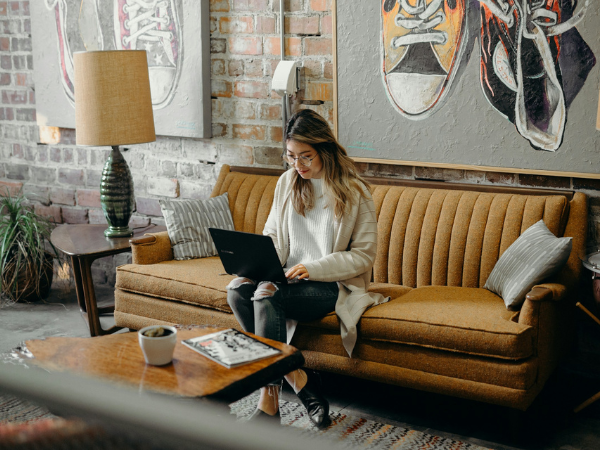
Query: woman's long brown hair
[(339, 172)]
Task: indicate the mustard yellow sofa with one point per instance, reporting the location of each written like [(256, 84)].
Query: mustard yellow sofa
[(437, 244)]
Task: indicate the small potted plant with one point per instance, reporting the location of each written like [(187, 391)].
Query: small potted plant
[(26, 253)]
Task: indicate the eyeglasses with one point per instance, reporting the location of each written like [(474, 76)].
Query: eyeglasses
[(304, 160)]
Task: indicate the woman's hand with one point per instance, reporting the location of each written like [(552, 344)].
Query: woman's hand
[(297, 271)]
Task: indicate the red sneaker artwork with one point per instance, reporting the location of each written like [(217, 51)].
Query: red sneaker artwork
[(521, 63)]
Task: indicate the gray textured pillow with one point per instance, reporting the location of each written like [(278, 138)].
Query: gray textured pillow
[(535, 255), (188, 221)]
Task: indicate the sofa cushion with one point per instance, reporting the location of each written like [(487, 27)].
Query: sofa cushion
[(188, 222), (533, 257), (195, 281), (466, 320)]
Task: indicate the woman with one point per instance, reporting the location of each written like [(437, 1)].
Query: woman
[(323, 225)]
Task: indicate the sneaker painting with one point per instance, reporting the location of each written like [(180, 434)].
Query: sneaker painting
[(66, 14), (520, 66), (152, 25), (423, 42)]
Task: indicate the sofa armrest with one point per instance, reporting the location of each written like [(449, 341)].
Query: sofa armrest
[(151, 248), (546, 292)]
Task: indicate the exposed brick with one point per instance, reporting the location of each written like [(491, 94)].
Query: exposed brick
[(328, 71), (5, 62), (586, 183), (68, 156), (219, 129), (70, 176), (42, 152), (317, 46), (253, 132), (82, 156), (326, 25), (138, 222), (253, 68), (63, 196), (96, 216), (17, 171), (236, 68), (319, 5), (217, 67), (54, 213), (544, 181), (304, 25), (166, 187), (319, 91), (293, 46), (236, 154), (244, 109), (290, 5), (49, 135), (13, 187), (14, 97), (43, 174), (236, 24), (36, 193), (5, 79), (389, 170), (88, 197), (55, 154), (3, 8), (187, 169), (276, 134), (270, 156), (250, 5), (501, 178), (74, 215), (245, 45), (251, 89), (93, 178), (192, 189), (221, 88), (17, 151), (218, 45), (434, 173), (4, 44), (270, 112), (169, 169), (475, 176), (26, 114), (265, 25), (67, 136), (219, 6)]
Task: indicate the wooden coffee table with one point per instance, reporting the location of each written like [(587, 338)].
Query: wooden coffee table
[(118, 358)]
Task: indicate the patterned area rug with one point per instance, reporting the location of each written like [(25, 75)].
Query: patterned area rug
[(354, 432)]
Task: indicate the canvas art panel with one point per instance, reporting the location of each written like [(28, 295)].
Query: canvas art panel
[(495, 83), (175, 34)]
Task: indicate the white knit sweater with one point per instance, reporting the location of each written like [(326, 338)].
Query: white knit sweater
[(351, 260), (311, 235)]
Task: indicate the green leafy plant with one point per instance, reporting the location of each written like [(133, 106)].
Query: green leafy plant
[(26, 253)]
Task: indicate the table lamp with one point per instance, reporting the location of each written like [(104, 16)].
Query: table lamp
[(113, 107)]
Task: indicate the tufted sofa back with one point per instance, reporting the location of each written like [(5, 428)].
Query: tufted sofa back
[(426, 236)]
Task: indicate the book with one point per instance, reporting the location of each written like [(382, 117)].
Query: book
[(230, 347)]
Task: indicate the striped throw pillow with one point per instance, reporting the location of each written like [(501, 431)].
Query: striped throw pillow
[(188, 221), (534, 256)]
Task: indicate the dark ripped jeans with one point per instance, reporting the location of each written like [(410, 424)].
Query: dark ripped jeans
[(263, 309)]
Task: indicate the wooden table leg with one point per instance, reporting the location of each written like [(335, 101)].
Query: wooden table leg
[(78, 283), (588, 402), (93, 313)]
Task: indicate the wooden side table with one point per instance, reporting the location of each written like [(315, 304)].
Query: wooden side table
[(84, 244), (595, 397)]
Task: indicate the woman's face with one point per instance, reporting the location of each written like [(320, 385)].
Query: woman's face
[(297, 149)]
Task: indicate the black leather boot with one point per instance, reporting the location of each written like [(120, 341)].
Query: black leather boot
[(316, 405)]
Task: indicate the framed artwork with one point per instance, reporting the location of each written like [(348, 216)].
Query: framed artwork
[(502, 85), (175, 34)]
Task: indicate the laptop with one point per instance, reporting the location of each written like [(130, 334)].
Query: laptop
[(248, 255)]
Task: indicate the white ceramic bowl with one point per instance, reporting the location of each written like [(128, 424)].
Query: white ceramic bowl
[(158, 351)]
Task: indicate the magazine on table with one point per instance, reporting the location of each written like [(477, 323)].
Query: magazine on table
[(230, 347)]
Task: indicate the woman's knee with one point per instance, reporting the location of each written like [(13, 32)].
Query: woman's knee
[(265, 289), (239, 290)]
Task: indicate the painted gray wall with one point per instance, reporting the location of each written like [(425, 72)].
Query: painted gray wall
[(466, 129)]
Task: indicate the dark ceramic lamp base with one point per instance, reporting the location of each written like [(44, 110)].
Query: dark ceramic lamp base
[(116, 195)]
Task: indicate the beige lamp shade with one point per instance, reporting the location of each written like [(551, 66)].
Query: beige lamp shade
[(113, 105)]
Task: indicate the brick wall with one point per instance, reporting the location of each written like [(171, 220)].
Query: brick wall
[(246, 121)]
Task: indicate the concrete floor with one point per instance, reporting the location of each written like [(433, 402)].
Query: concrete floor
[(549, 424)]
